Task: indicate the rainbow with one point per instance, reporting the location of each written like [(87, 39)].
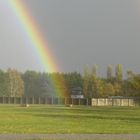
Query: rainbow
[(39, 44)]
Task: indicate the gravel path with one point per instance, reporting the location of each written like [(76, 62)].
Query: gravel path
[(69, 136)]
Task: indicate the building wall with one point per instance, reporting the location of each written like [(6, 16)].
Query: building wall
[(115, 102)]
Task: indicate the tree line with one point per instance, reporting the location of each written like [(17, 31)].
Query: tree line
[(31, 83)]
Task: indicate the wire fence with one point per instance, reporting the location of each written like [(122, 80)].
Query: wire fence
[(45, 100), (72, 101)]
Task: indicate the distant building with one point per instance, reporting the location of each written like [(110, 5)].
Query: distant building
[(77, 92), (115, 97)]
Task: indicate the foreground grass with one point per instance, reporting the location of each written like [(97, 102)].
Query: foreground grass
[(60, 119)]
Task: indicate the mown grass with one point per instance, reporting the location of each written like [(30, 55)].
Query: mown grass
[(60, 119)]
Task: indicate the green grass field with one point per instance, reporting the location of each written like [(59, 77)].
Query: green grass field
[(61, 119)]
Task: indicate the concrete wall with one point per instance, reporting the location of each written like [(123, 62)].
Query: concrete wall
[(115, 102)]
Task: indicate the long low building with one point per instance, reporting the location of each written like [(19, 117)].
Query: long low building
[(115, 102)]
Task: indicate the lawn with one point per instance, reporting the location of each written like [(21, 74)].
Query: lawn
[(60, 119)]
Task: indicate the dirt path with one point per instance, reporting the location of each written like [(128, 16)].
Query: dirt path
[(69, 136)]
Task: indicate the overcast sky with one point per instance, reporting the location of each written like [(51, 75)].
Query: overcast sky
[(79, 33)]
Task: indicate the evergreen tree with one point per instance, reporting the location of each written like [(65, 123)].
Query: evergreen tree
[(109, 72), (86, 83), (119, 73)]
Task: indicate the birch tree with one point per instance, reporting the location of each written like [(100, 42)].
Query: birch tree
[(15, 83)]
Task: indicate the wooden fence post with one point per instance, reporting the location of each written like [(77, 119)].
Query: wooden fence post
[(45, 100), (32, 99), (21, 100), (112, 102), (52, 101), (26, 100), (8, 100), (87, 101), (39, 100), (79, 101), (65, 100), (72, 101), (3, 99)]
